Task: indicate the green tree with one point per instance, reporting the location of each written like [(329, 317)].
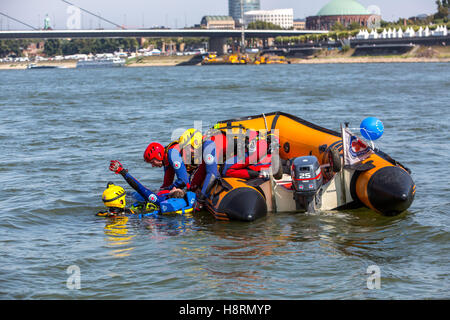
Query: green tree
[(52, 47), (8, 47), (130, 44), (354, 25), (261, 25), (15, 47), (442, 9), (338, 27), (332, 35), (342, 34)]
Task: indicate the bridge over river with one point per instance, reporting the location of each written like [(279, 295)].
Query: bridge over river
[(217, 38)]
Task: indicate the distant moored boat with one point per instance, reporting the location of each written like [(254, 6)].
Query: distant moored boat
[(95, 63), (35, 66)]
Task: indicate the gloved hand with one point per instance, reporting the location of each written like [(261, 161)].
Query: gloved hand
[(115, 166), (200, 202), (198, 206)]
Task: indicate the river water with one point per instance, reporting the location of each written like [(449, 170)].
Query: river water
[(59, 129)]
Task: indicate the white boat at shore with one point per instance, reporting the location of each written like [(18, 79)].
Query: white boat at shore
[(35, 66), (96, 63)]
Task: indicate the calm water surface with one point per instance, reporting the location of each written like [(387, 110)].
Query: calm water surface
[(60, 128)]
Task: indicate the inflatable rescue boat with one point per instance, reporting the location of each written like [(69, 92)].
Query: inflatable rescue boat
[(310, 174)]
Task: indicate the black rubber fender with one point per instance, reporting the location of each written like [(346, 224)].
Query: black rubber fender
[(243, 204), (391, 190)]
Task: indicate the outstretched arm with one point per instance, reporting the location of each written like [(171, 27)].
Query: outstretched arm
[(146, 193)]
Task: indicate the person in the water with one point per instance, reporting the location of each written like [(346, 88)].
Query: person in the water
[(147, 194), (114, 199)]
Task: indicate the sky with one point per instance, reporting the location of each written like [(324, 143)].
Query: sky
[(172, 13)]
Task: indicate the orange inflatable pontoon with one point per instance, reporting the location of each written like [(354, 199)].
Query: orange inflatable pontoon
[(378, 182)]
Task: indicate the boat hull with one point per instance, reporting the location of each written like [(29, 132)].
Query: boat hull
[(234, 199), (380, 183)]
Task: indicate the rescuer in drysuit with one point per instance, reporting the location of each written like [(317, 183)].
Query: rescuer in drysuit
[(202, 159), (183, 155), (256, 161), (175, 160), (167, 200), (180, 158)]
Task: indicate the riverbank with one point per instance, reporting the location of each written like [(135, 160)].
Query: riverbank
[(368, 60), (157, 61), (24, 65), (151, 61), (417, 55)]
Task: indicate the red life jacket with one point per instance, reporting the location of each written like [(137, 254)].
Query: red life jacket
[(172, 145)]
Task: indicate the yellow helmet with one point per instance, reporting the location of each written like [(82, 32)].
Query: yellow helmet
[(192, 137), (114, 196)]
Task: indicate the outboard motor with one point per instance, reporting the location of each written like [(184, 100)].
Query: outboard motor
[(306, 182)]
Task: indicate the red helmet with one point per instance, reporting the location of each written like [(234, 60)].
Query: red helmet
[(154, 150)]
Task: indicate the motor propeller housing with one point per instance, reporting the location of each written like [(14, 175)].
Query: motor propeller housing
[(307, 180)]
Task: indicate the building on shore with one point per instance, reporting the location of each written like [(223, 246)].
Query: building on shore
[(34, 49), (281, 17), (299, 24), (345, 12), (234, 8), (218, 22)]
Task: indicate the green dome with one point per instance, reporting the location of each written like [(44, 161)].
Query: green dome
[(342, 8)]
